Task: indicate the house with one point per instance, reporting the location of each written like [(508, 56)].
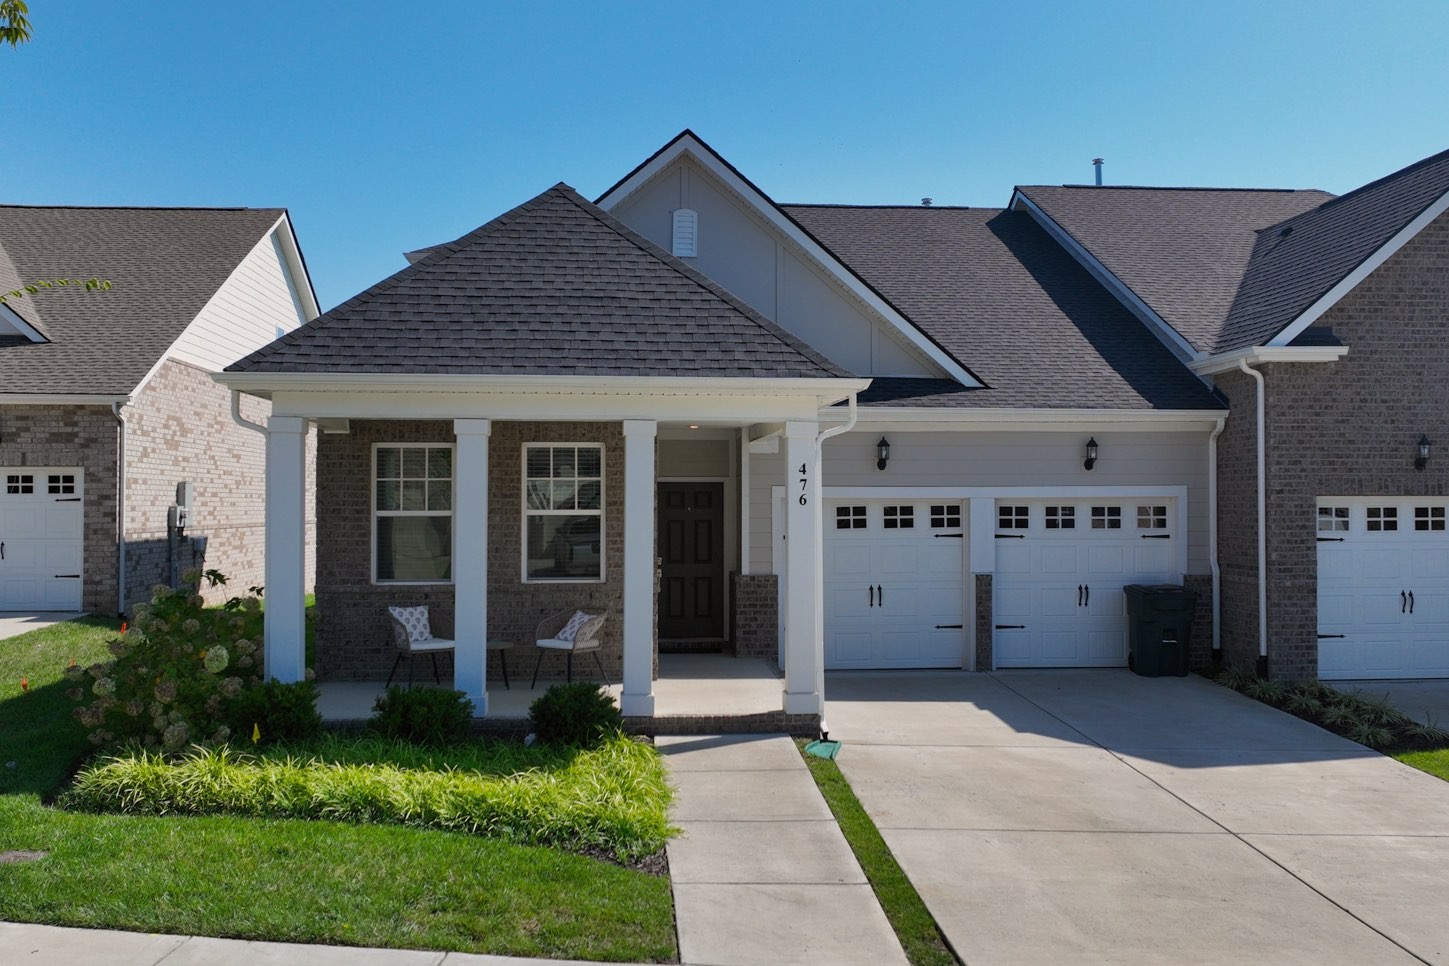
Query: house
[(107, 405), (855, 436)]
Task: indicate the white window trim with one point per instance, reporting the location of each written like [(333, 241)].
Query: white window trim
[(373, 511), (525, 513)]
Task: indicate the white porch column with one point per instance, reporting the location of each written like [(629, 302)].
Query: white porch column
[(638, 697), (805, 603), (284, 647), (470, 561)]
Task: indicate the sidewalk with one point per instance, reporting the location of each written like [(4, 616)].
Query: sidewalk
[(762, 874)]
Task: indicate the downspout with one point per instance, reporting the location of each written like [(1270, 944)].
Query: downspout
[(1262, 521), (236, 414), (844, 427), (120, 510), (1213, 568)]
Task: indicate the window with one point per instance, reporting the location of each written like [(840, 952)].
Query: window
[(1383, 518), (900, 518), (1152, 518), (1061, 518), (946, 517), (413, 512), (1332, 519), (60, 484), (1428, 518), (17, 483), (563, 512), (1013, 517), (850, 518), (1106, 518)]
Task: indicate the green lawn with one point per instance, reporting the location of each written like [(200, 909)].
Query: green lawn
[(1435, 761), (282, 879)]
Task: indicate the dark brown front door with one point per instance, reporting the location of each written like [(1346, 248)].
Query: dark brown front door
[(691, 551)]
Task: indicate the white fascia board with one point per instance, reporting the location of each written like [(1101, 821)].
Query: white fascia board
[(60, 399), (1032, 420), (1364, 269), (1258, 355), (296, 266), (770, 212), (11, 318), (1155, 323), (832, 389)]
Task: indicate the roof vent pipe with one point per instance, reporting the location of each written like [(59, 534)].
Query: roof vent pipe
[(1097, 163), (926, 202)]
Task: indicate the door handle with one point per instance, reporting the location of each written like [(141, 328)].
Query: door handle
[(880, 595), (1403, 602), (871, 591), (2, 549), (1079, 595), (1411, 602), (1087, 595)]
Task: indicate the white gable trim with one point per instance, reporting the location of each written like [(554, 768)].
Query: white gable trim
[(9, 318), (705, 157), (1155, 323), (1263, 354), (1364, 269)]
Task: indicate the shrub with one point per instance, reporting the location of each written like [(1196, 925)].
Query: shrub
[(176, 670), (427, 716), (580, 714), (277, 712)]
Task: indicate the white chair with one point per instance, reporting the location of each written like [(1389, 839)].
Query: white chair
[(415, 639), (555, 634)]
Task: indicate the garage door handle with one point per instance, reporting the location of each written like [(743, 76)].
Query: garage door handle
[(1324, 637), (1403, 602), (871, 590), (1411, 602), (1011, 627), (950, 627), (1087, 597), (880, 595), (2, 549)]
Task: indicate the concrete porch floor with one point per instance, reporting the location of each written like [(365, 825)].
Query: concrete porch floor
[(689, 685)]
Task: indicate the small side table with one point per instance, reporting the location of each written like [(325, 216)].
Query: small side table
[(501, 647)]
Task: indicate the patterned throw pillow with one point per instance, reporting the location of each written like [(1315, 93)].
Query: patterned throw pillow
[(571, 629), (415, 619)]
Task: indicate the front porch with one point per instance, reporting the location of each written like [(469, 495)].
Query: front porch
[(694, 694)]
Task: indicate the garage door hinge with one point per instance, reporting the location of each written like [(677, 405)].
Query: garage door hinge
[(1330, 540), (950, 627), (1011, 627), (1157, 536), (950, 536), (1011, 536), (1324, 637), (68, 576), (67, 499)]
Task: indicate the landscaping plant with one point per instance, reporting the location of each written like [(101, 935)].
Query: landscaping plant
[(582, 714), (272, 712), (427, 716)]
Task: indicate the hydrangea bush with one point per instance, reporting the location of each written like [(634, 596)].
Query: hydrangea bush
[(176, 670)]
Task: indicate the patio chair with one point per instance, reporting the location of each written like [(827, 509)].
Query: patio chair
[(412, 633), (572, 632)]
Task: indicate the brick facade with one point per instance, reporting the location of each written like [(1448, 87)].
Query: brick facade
[(352, 638), (1346, 428), (754, 618), (83, 436), (985, 633), (179, 428)]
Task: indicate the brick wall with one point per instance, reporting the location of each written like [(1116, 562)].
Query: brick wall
[(755, 626), (985, 632), (1200, 649), (179, 428), (1347, 428), (352, 638), (83, 436)]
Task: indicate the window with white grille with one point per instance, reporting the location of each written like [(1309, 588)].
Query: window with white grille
[(899, 518), (1333, 519), (1061, 518), (1013, 517), (1106, 518), (850, 518), (1383, 518)]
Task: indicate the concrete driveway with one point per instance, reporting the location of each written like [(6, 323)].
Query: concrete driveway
[(1092, 816), (21, 622)]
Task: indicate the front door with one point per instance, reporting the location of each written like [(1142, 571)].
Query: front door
[(691, 553)]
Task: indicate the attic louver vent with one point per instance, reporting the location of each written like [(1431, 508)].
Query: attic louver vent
[(686, 232)]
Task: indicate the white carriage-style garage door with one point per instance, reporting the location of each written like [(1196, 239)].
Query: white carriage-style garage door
[(894, 584), (40, 538), (1060, 569), (1383, 588)]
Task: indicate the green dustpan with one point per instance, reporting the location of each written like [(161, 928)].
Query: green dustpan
[(823, 748)]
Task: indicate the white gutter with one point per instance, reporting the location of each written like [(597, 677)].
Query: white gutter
[(1258, 355), (828, 390), (1213, 568), (844, 427), (237, 416), (120, 509), (1262, 519)]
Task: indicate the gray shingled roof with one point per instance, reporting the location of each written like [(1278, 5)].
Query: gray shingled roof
[(1183, 251), (1296, 262), (164, 264), (996, 290), (556, 286)]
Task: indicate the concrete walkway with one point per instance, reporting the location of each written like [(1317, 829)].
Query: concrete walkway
[(1087, 816), (761, 873), (13, 623)]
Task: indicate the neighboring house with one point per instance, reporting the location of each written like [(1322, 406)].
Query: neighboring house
[(847, 436), (107, 401)]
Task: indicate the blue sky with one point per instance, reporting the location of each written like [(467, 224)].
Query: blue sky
[(389, 126)]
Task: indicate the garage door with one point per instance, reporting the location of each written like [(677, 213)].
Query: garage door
[(894, 590), (1060, 569), (40, 538), (1383, 588)]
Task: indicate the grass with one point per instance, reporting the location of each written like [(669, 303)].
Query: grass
[(1435, 761), (285, 879), (913, 924)]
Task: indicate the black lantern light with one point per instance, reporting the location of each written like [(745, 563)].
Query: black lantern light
[(883, 453), (1423, 458), (1091, 459)]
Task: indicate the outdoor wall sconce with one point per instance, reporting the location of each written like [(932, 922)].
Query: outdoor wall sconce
[(1091, 459), (883, 453), (1423, 458)]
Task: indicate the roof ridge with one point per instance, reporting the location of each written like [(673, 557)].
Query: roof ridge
[(1357, 192), (831, 204), (4, 205), (1151, 187)]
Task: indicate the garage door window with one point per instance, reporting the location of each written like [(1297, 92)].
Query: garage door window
[(850, 518), (1013, 517), (1152, 518), (945, 517), (1428, 518), (17, 484), (900, 518), (1383, 518), (62, 484), (1332, 519), (1106, 518), (1061, 518)]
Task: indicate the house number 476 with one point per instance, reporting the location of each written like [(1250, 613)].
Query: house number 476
[(804, 481)]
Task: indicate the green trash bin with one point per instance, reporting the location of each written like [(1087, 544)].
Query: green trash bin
[(1159, 618)]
